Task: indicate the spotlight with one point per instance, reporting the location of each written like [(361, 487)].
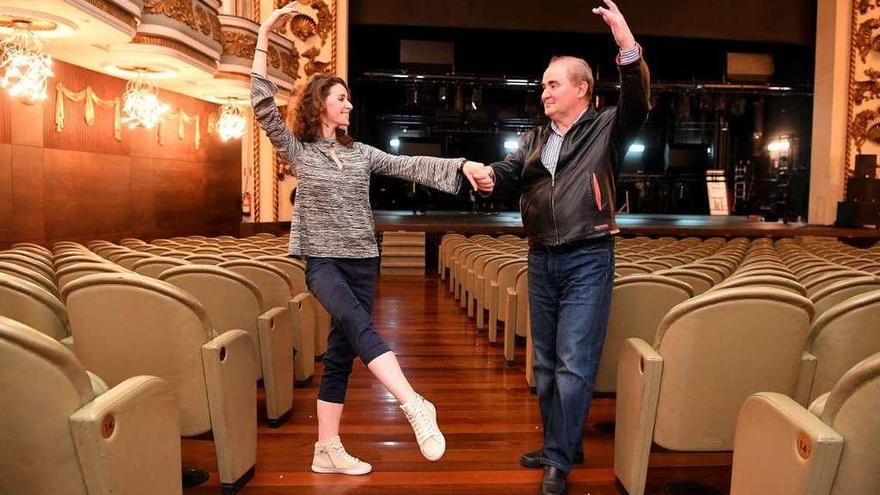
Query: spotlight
[(636, 148), (779, 145)]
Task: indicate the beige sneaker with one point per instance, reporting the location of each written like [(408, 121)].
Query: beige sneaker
[(422, 417), (331, 458)]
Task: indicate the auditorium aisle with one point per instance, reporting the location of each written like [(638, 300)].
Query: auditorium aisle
[(485, 409)]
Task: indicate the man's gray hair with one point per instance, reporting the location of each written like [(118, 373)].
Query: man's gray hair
[(578, 71)]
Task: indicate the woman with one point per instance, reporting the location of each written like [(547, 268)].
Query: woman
[(333, 228)]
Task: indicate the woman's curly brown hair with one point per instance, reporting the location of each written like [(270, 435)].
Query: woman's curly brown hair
[(306, 123)]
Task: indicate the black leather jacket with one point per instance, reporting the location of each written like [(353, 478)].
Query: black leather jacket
[(578, 203)]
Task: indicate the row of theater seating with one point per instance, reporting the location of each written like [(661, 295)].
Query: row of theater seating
[(181, 329), (720, 345)]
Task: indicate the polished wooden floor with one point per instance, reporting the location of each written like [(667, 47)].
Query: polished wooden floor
[(486, 411)]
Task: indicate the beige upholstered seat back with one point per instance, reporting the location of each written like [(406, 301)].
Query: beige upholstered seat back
[(230, 300), (638, 303), (274, 285), (836, 293), (699, 281), (125, 324), (841, 337), (625, 269), (507, 274), (28, 303), (852, 410), (41, 385), (295, 270), (42, 267), (155, 265), (205, 258), (819, 282), (773, 281), (29, 275), (72, 272), (127, 261), (717, 350)]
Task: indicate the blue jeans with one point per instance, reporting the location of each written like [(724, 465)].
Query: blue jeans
[(569, 299), (346, 288)]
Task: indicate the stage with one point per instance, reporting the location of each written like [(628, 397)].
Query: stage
[(630, 225)]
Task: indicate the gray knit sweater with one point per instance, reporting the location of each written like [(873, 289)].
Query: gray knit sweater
[(333, 216)]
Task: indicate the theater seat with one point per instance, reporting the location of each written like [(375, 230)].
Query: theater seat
[(700, 282), (233, 302), (709, 354), (638, 304), (840, 291), (60, 437), (28, 303), (516, 318), (126, 325), (783, 449), (154, 266), (296, 272), (72, 272), (841, 337), (276, 288)]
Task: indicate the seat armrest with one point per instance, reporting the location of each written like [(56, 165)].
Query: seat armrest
[(639, 370), (805, 379), (128, 439), (783, 449), (230, 363)]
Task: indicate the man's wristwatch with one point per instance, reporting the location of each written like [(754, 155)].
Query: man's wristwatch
[(461, 164)]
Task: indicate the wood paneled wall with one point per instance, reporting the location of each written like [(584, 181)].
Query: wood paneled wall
[(82, 184)]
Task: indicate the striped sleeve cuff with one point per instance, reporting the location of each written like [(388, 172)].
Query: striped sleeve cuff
[(626, 57)]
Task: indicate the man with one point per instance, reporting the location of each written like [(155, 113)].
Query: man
[(566, 172)]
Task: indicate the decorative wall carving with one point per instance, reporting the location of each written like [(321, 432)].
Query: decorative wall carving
[(239, 44), (863, 112), (181, 10), (315, 66)]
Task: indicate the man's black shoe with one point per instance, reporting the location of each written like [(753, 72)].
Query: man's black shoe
[(553, 482), (532, 460)]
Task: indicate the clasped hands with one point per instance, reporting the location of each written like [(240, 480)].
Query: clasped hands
[(481, 177)]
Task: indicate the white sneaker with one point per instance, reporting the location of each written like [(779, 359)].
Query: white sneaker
[(422, 417), (331, 458)]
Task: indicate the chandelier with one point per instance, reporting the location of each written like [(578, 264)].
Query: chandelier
[(231, 124), (27, 68), (141, 104)]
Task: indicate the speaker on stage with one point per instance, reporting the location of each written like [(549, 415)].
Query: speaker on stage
[(857, 215), (866, 167), (866, 191)]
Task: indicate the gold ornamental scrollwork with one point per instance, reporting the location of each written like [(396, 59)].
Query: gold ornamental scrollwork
[(274, 58), (867, 90), (180, 10), (864, 39), (203, 20), (239, 44), (865, 127), (290, 63), (315, 66), (216, 29), (325, 18)]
